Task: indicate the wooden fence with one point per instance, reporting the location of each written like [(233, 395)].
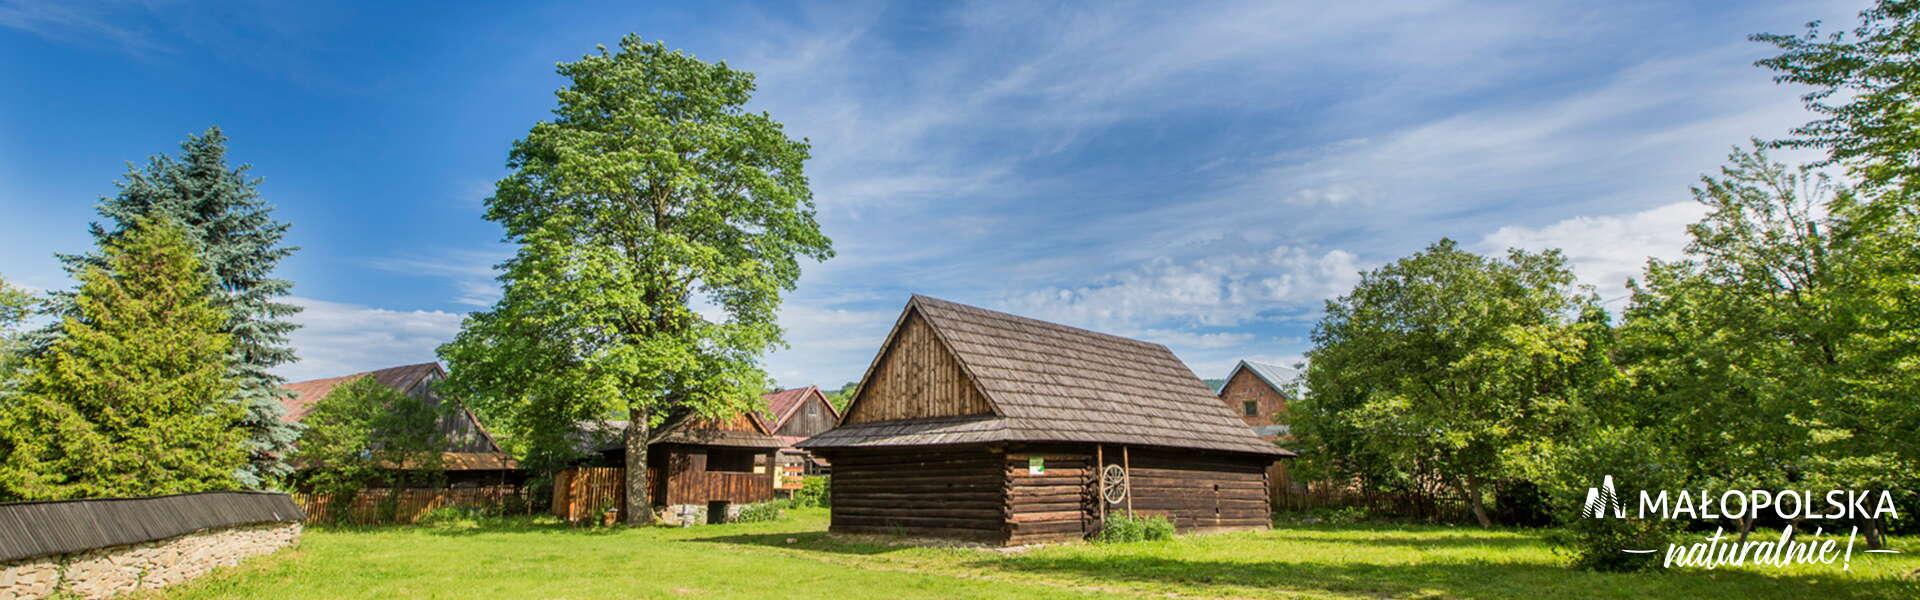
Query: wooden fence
[(583, 493), (1398, 505), (382, 505)]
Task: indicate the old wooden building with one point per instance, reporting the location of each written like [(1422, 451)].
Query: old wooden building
[(694, 465), (1258, 393), (983, 425), (471, 456), (798, 414)]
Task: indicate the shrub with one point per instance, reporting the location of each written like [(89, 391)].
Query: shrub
[(813, 492), (1121, 529), (758, 513)]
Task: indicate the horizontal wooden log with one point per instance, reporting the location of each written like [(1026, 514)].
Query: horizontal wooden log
[(1065, 515), (1020, 507), (921, 512)]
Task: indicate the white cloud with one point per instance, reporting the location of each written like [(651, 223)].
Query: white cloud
[(337, 339), (1219, 291), (471, 272), (1605, 251), (830, 346)]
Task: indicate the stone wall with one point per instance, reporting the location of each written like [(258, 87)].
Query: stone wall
[(106, 572)]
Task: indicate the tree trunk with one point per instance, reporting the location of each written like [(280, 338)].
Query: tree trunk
[(1746, 527), (1875, 539), (639, 508), (1479, 506)]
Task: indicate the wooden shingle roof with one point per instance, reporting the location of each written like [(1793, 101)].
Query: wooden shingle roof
[(1048, 382), (785, 403)]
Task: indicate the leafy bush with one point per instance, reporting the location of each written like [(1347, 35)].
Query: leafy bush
[(813, 492), (1121, 529), (758, 513), (454, 516)]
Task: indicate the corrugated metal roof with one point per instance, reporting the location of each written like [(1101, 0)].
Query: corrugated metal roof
[(33, 529), (1277, 377), (1053, 383)]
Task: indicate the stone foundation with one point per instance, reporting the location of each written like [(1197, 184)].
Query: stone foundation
[(107, 572)]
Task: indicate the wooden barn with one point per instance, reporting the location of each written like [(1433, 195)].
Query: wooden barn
[(982, 425), (472, 457), (695, 465), (798, 414)]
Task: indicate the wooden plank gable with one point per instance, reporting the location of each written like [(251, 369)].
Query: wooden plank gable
[(916, 377)]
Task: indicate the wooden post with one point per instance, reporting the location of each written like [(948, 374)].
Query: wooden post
[(1100, 479), (1126, 464)]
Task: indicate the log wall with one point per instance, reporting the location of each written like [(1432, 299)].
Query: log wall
[(922, 492), (688, 481), (1200, 490), (917, 378), (1057, 504)]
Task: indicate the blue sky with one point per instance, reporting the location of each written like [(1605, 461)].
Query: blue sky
[(1201, 176)]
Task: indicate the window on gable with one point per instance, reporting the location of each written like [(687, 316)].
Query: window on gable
[(1251, 407), (813, 410)]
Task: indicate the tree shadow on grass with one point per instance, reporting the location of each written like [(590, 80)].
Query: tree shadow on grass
[(1452, 579), (1444, 539), (821, 541)]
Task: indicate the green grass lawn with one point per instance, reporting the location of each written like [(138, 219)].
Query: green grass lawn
[(794, 558)]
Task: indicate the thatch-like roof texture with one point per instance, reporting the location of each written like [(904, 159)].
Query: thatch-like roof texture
[(1053, 383)]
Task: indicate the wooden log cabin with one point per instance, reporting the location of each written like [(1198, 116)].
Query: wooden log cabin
[(472, 457), (798, 414), (694, 464), (987, 426)]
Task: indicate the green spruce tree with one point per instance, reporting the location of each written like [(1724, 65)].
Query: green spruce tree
[(239, 243), (133, 397)]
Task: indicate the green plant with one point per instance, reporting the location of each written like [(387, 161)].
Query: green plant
[(758, 513), (814, 491), (1121, 529)]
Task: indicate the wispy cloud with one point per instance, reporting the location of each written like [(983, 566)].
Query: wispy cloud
[(83, 23), (338, 338), (471, 272)]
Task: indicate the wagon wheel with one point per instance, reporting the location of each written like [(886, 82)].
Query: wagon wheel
[(1113, 484)]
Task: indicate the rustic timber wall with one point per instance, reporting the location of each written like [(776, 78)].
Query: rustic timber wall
[(917, 378), (1200, 490), (1057, 504), (802, 424), (103, 548), (689, 482), (921, 492)]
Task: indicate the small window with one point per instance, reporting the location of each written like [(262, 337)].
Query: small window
[(1251, 407), (729, 460), (813, 410)]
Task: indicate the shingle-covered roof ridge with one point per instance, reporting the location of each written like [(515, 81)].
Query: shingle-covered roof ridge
[(1055, 382)]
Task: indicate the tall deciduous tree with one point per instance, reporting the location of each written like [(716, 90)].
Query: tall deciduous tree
[(132, 398), (1436, 369), (659, 223), (240, 244)]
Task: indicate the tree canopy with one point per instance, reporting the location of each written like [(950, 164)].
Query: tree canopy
[(132, 398), (364, 434), (658, 224), (238, 242), (1436, 368)]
